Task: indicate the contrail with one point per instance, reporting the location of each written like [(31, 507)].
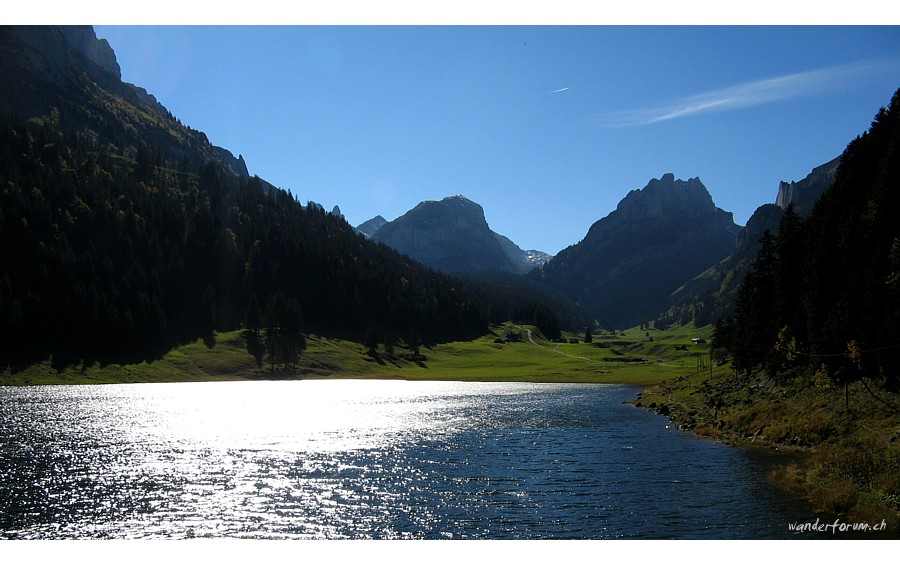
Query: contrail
[(559, 90), (753, 93)]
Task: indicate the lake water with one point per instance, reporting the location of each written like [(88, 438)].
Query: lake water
[(369, 459)]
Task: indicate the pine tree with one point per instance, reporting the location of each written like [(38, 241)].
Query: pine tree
[(293, 333), (208, 312), (371, 339), (275, 322), (755, 325), (253, 323)]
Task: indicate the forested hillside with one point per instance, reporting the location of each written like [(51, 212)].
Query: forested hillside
[(65, 76), (104, 255), (124, 232), (823, 297)]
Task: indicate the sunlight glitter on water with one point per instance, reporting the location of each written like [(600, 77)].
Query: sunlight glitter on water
[(360, 459), (320, 415)]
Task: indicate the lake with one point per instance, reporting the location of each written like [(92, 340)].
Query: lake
[(332, 459)]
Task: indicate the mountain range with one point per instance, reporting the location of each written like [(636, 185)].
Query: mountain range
[(666, 254), (197, 225)]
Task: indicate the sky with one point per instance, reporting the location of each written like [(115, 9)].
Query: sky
[(547, 127)]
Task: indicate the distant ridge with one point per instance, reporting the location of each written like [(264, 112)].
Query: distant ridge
[(370, 227), (452, 235)]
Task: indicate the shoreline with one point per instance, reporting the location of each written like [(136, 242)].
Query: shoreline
[(827, 439), (842, 458), (799, 474)]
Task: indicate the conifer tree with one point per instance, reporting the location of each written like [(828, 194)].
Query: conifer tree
[(253, 323), (371, 339), (755, 326)]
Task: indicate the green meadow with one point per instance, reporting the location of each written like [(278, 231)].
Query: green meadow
[(634, 356)]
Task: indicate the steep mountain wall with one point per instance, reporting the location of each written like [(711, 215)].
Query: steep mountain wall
[(804, 194)]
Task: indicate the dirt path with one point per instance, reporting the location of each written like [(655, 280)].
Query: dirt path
[(531, 339), (557, 351)]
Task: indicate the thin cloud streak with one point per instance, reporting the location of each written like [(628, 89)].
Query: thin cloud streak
[(559, 90), (753, 93)]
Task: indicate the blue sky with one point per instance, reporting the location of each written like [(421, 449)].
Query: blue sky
[(546, 127)]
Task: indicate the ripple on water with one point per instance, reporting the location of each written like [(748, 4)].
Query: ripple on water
[(364, 459)]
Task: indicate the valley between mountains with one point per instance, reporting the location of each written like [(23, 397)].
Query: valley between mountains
[(132, 249)]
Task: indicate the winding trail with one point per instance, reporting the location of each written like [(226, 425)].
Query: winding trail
[(557, 351), (531, 339)]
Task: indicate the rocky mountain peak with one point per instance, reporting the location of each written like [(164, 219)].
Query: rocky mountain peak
[(459, 203), (804, 194), (51, 49), (84, 40), (630, 261), (370, 227), (452, 235), (665, 196)]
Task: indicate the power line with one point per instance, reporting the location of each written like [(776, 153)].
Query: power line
[(844, 354)]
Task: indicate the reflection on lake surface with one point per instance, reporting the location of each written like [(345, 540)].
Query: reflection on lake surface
[(368, 459)]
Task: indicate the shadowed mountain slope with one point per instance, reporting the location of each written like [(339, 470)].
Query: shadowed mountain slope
[(628, 264)]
